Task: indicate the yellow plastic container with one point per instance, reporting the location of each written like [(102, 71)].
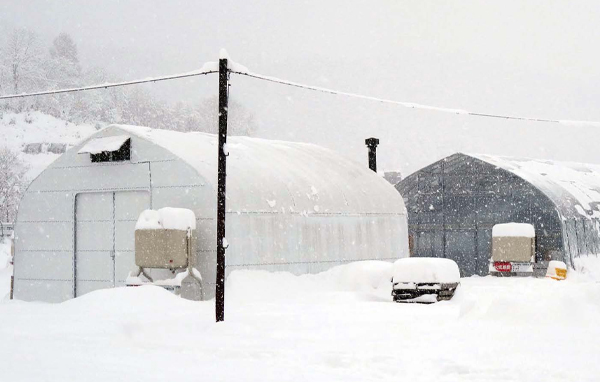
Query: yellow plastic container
[(557, 270)]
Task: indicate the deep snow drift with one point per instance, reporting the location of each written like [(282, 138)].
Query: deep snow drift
[(337, 325)]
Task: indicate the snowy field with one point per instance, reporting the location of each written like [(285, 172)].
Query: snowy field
[(333, 326)]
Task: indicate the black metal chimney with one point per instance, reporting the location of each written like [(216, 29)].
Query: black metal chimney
[(372, 145)]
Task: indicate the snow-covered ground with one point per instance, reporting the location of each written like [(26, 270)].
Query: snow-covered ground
[(18, 130), (337, 325)]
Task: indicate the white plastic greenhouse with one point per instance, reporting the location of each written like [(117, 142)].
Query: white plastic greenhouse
[(291, 207)]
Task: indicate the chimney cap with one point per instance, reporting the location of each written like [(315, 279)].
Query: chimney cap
[(372, 142)]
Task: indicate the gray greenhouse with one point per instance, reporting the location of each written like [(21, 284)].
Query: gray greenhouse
[(454, 203)]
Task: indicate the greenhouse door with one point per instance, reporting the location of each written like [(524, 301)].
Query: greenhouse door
[(484, 250), (461, 247), (104, 238)]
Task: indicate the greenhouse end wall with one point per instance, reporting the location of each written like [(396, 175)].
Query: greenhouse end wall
[(454, 203)]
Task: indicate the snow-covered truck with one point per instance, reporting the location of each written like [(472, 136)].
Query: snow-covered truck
[(424, 279), (513, 249)]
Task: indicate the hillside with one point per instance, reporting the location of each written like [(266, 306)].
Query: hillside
[(35, 132)]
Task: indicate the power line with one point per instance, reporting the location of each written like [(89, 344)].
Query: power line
[(207, 69), (211, 67), (412, 105)]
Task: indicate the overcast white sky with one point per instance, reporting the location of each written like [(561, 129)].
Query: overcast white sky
[(534, 58)]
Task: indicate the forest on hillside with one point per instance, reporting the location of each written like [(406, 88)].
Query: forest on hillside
[(28, 66)]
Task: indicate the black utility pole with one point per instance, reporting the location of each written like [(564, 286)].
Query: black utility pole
[(372, 145), (222, 176)]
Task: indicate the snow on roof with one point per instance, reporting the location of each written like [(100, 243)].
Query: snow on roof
[(99, 145), (573, 187), (513, 230), (278, 176)]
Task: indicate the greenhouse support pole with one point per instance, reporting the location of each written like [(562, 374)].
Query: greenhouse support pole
[(222, 176)]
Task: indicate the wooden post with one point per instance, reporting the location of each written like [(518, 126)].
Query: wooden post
[(222, 176)]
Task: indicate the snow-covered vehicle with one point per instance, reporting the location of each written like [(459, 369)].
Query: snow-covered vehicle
[(513, 249), (424, 279)]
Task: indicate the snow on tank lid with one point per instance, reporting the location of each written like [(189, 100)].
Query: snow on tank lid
[(513, 230), (167, 218)]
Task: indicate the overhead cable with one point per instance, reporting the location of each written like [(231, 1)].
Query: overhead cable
[(413, 105), (207, 69), (212, 67)]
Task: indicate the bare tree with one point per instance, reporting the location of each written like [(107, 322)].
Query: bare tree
[(13, 182), (63, 66), (22, 57), (64, 47)]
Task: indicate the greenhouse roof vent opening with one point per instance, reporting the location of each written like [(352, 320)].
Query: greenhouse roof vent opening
[(108, 149)]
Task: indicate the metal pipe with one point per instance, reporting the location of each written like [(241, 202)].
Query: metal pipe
[(372, 145)]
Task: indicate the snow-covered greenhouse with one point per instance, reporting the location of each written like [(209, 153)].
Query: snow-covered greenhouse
[(290, 207), (454, 203)]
